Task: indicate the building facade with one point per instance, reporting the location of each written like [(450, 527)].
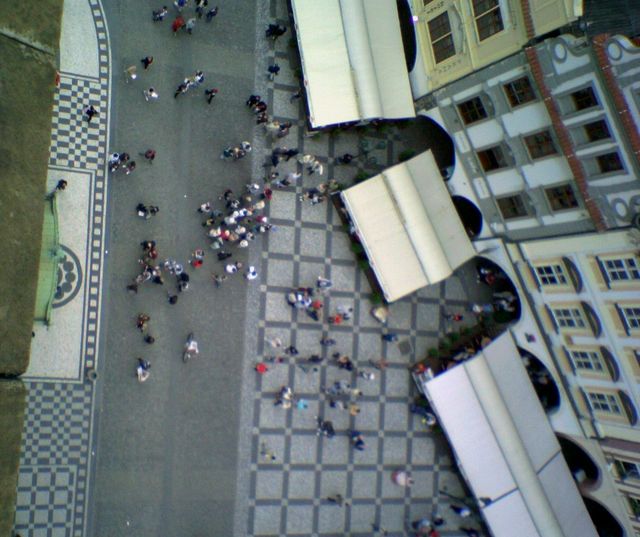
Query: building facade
[(546, 141), (584, 292), (458, 37)]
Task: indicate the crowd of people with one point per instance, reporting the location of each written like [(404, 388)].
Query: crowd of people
[(233, 221)]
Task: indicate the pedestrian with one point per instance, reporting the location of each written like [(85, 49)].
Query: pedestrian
[(251, 273), (402, 478), (218, 279), (191, 24), (200, 5), (273, 71), (160, 14), (421, 525), (368, 375), (456, 317), (142, 321), (295, 96), (261, 368), (89, 112), (470, 532), (266, 453), (177, 24), (345, 159), (198, 78), (380, 364), (354, 409), (142, 211), (149, 155), (146, 62), (130, 73), (327, 342), (210, 94), (182, 282), (335, 319), (222, 255), (337, 499), (232, 268), (211, 14), (253, 100), (172, 299), (390, 337), (182, 88), (291, 350), (357, 440), (461, 511), (323, 283), (61, 185), (274, 31), (129, 167), (179, 4), (150, 94), (149, 339)]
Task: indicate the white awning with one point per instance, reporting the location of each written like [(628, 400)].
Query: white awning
[(353, 60), (408, 226), (506, 448)]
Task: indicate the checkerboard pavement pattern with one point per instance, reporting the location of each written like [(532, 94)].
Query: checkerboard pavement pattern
[(54, 483), (288, 494), (74, 142)]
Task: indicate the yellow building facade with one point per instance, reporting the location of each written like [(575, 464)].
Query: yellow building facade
[(585, 293), (457, 37)]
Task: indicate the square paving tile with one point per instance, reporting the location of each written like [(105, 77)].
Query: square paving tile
[(282, 104), (333, 482), (394, 449), (422, 451), (341, 246), (283, 205), (368, 419), (344, 277), (277, 308), (369, 455), (280, 273), (396, 416), (369, 346), (453, 289), (309, 272), (427, 316), (276, 377), (361, 518), (335, 450), (281, 240), (317, 144), (316, 214), (273, 442), (364, 484), (302, 484), (430, 291), (423, 486), (312, 242), (307, 383), (299, 519), (308, 342), (365, 319), (331, 519), (303, 449), (269, 485), (393, 516), (397, 382), (267, 519), (271, 416)]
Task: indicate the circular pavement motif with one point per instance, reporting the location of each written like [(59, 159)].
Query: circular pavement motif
[(69, 278)]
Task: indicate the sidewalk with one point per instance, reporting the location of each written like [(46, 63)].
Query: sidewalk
[(286, 494), (56, 461)]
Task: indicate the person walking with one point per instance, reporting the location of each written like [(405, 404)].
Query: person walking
[(191, 24), (211, 14), (200, 5), (251, 273), (177, 24), (295, 96), (146, 62), (455, 317), (210, 94), (160, 14), (273, 71), (89, 112), (149, 155), (182, 89), (130, 73), (337, 499), (150, 95)]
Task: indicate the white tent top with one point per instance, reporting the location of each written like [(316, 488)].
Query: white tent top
[(506, 448), (353, 60), (408, 226)]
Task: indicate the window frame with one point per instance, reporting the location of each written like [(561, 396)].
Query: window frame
[(560, 193), (584, 360), (604, 402), (632, 473), (565, 318), (470, 113), (631, 273), (513, 93), (551, 272), (538, 144), (490, 150), (588, 125), (435, 43), (523, 205), (480, 19), (630, 316), (600, 163), (575, 100)]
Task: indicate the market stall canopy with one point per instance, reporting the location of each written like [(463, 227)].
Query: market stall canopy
[(408, 226), (353, 60), (506, 448)]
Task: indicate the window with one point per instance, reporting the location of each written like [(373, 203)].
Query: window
[(472, 110), (627, 469), (551, 275), (540, 145), (441, 38), (584, 98), (519, 91), (622, 269), (512, 207), (569, 317), (561, 197), (597, 130), (586, 360), (631, 316), (492, 158), (634, 504), (488, 18), (609, 162), (604, 402)]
